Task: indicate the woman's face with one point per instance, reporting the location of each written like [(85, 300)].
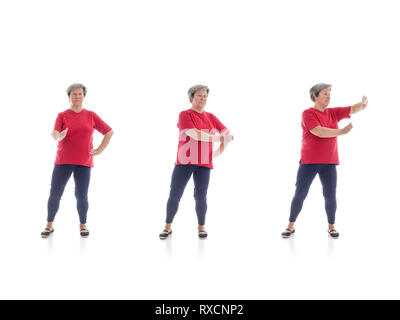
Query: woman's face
[(76, 97), (324, 97), (199, 99)]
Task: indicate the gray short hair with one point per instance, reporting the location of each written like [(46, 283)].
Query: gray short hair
[(196, 88), (315, 90), (76, 86)]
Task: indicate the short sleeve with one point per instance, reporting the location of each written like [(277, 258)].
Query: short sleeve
[(219, 125), (100, 125), (59, 123), (341, 113), (185, 121), (309, 120)]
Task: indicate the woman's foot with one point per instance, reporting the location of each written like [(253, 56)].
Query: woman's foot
[(165, 234), (84, 232), (288, 233), (333, 233), (47, 231), (202, 232)]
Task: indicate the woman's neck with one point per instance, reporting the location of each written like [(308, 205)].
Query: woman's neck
[(320, 107), (76, 108), (197, 109)]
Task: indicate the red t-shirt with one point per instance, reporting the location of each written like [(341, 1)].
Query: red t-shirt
[(195, 152), (75, 147), (321, 150)]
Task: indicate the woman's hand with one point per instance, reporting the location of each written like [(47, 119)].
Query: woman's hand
[(103, 145), (63, 134), (58, 136), (226, 138), (347, 128), (364, 102), (359, 106), (216, 153), (95, 152)]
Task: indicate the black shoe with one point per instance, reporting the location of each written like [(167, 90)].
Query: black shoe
[(84, 232), (203, 234), (165, 234), (46, 234), (288, 234), (333, 233)]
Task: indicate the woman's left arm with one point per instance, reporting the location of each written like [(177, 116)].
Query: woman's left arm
[(223, 144), (103, 145), (359, 106), (224, 132), (219, 151)]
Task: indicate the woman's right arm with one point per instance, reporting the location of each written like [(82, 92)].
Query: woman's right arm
[(58, 136), (323, 132), (199, 135)]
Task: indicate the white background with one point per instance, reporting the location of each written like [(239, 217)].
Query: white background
[(259, 58)]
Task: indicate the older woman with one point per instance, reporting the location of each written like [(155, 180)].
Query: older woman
[(74, 132), (319, 153), (198, 130)]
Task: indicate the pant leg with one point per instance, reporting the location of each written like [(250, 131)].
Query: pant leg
[(201, 177), (305, 176), (59, 179), (179, 180), (82, 180), (328, 177)]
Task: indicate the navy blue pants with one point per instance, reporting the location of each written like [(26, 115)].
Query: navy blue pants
[(180, 178), (59, 179), (305, 176)]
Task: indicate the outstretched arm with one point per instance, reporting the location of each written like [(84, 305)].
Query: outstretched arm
[(323, 132), (199, 135), (359, 106)]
